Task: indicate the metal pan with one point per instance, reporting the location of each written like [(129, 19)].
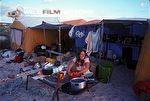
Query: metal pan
[(78, 83)]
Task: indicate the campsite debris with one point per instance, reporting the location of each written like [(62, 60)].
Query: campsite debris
[(11, 77), (29, 63), (41, 50), (12, 56), (9, 55), (50, 60), (39, 59)]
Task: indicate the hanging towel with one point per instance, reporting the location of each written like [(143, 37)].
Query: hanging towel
[(88, 40), (93, 41)]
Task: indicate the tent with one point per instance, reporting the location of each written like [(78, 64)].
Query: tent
[(62, 29), (143, 71), (23, 33), (133, 29), (75, 22), (122, 37), (80, 32), (16, 34)]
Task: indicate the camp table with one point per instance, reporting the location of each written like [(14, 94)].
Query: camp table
[(63, 85), (50, 80)]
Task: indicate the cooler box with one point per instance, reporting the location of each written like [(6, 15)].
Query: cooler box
[(104, 71)]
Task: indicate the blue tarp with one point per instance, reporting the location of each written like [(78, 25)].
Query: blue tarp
[(117, 49), (138, 29), (134, 28), (120, 27)]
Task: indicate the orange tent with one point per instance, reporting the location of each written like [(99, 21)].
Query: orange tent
[(92, 22), (143, 67), (27, 37), (75, 22)]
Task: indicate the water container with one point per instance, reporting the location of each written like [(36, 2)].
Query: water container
[(104, 71)]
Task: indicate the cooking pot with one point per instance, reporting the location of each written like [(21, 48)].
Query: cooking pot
[(47, 69), (78, 83)]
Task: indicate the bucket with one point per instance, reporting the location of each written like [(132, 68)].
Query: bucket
[(104, 71)]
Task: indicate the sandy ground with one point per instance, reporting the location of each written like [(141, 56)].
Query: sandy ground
[(118, 89)]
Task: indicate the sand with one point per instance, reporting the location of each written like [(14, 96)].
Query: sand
[(118, 89)]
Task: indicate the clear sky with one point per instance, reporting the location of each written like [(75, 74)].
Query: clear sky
[(80, 9)]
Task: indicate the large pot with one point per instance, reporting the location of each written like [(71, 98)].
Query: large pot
[(78, 83), (47, 69)]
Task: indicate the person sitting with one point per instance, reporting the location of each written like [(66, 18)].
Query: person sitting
[(79, 65)]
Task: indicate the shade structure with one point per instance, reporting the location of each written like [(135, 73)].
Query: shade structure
[(57, 27)]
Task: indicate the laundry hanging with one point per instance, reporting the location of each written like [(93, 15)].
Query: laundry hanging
[(93, 41)]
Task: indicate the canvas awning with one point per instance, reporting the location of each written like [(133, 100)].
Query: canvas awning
[(75, 22), (29, 21), (58, 27), (46, 25), (122, 22)]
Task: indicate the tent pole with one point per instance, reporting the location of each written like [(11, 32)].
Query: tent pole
[(101, 40), (59, 38), (44, 33)]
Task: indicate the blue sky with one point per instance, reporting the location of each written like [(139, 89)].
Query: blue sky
[(80, 9)]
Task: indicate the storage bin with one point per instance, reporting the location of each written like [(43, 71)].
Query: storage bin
[(104, 71)]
